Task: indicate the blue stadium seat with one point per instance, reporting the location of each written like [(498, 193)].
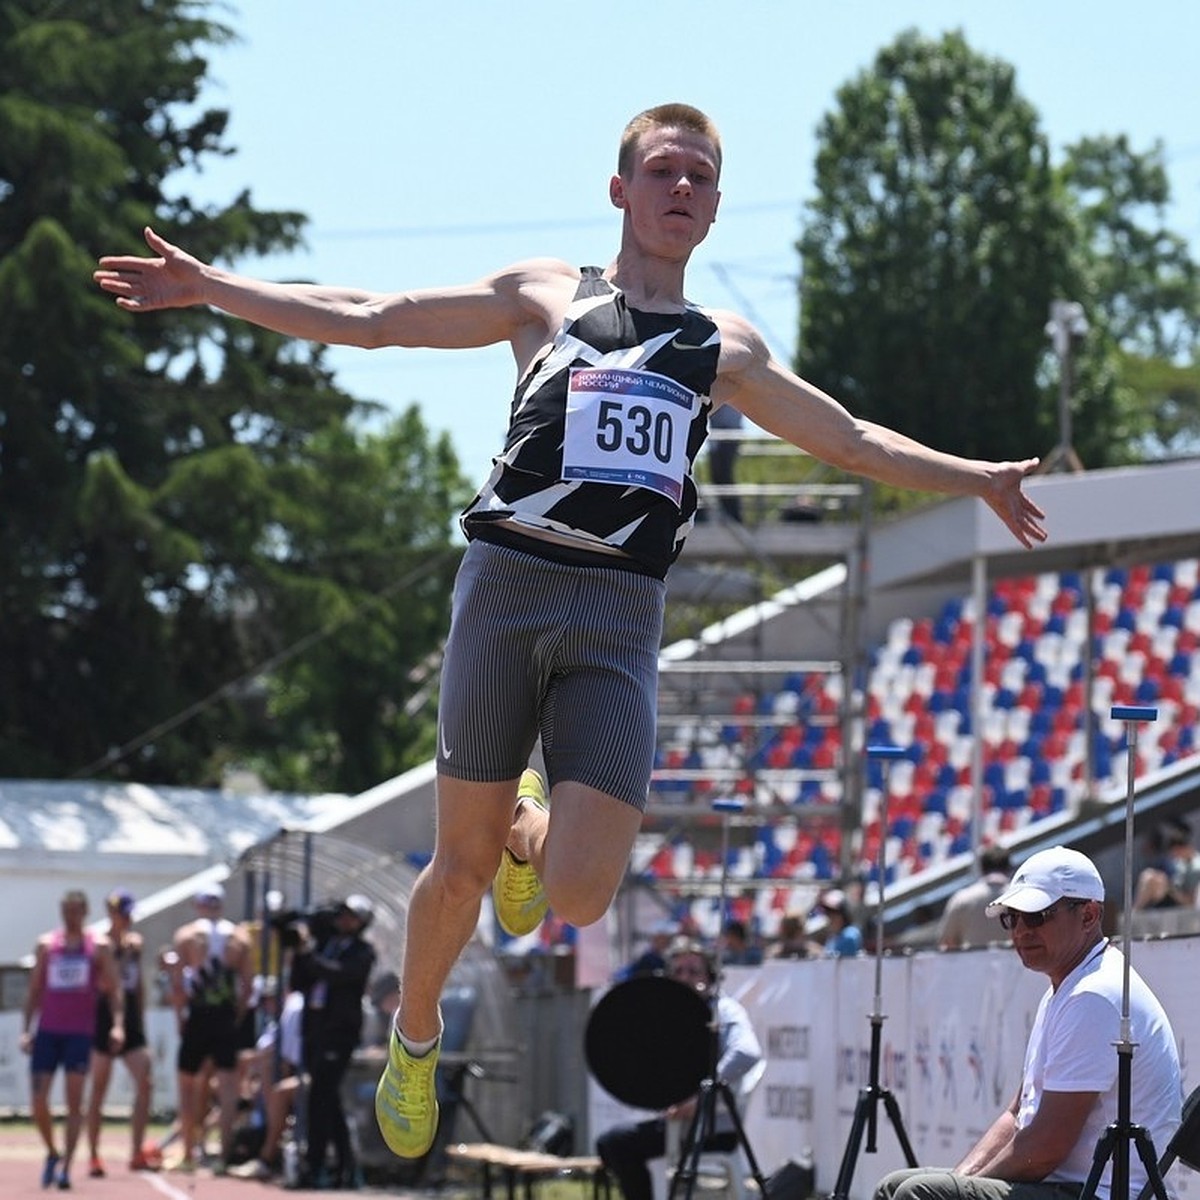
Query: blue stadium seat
[(1172, 616), (952, 610), (802, 758)]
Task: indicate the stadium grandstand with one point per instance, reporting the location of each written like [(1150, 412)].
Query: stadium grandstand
[(994, 668)]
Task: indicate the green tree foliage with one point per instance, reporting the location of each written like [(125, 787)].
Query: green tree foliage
[(1142, 283), (939, 237), (185, 498)]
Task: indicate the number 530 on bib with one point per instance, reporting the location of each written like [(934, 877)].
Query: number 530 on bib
[(627, 427)]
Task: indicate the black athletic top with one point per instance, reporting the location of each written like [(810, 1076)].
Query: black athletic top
[(603, 434)]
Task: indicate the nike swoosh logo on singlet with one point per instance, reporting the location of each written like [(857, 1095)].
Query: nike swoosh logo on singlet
[(678, 345)]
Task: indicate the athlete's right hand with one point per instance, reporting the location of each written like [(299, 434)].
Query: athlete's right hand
[(174, 279)]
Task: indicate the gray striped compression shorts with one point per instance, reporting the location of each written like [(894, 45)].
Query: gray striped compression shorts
[(567, 652)]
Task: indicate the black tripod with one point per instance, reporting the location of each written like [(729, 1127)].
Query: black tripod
[(866, 1109), (704, 1120), (1115, 1140), (455, 1075)]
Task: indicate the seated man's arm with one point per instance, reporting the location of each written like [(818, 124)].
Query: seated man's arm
[(1033, 1152), (997, 1139)]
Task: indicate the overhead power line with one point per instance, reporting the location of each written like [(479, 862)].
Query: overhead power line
[(297, 648)]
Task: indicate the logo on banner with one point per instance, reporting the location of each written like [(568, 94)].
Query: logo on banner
[(976, 1065), (946, 1063), (785, 1103), (923, 1060), (787, 1041)]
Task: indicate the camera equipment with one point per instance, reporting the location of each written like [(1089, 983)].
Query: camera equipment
[(1114, 1141), (292, 924), (712, 1088), (866, 1110)]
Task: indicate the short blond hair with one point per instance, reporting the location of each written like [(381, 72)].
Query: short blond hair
[(665, 116)]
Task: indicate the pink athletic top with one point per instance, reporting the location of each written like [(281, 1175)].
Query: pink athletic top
[(71, 987)]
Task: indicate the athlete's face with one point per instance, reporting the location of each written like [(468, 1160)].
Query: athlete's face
[(670, 196), (73, 914)]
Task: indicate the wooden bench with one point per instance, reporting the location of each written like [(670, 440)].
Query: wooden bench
[(528, 1166)]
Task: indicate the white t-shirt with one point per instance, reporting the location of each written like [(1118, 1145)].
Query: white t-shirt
[(1071, 1049), (287, 1029)]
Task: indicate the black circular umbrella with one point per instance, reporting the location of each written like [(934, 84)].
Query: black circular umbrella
[(648, 1042)]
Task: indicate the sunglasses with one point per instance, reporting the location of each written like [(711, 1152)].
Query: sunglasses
[(1010, 918)]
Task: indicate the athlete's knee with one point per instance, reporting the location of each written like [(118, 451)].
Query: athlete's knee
[(579, 897), (462, 876)]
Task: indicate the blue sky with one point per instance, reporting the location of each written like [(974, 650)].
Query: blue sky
[(432, 143)]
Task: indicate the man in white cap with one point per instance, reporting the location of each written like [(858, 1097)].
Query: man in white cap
[(1042, 1146)]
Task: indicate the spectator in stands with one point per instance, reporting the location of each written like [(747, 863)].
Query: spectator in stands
[(626, 1149), (331, 967), (126, 947), (652, 960), (738, 948), (71, 969), (1172, 881), (383, 995), (965, 921), (248, 1023), (1041, 1147), (211, 980), (571, 531), (843, 939), (275, 1069), (793, 940)]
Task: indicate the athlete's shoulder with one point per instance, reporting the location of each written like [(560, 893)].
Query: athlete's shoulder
[(537, 271), (741, 342)]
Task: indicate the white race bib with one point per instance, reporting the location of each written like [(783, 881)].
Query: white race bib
[(130, 974), (627, 427), (67, 974)]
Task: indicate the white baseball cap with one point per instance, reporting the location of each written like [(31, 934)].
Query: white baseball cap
[(1050, 875), (360, 906)]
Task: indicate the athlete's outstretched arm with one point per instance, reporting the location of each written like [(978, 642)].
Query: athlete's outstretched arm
[(493, 309), (784, 404)]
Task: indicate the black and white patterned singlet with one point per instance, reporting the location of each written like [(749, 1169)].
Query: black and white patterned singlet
[(604, 431)]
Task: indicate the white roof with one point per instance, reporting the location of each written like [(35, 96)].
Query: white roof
[(110, 818)]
